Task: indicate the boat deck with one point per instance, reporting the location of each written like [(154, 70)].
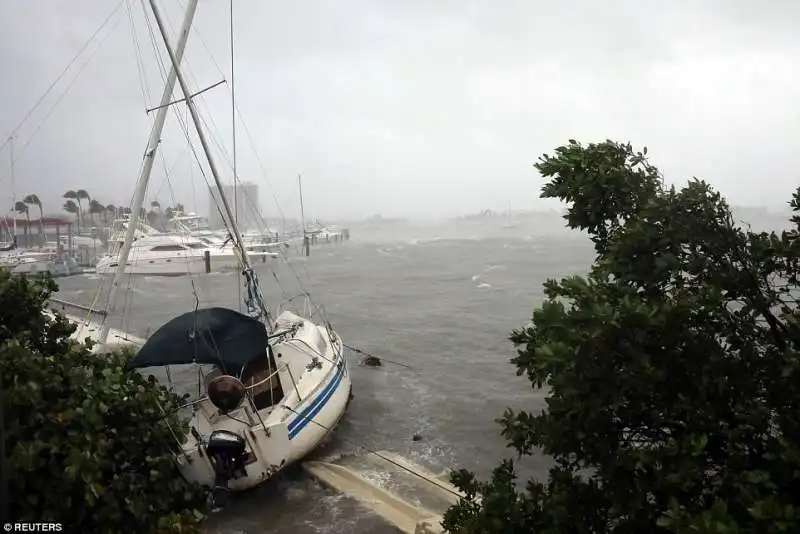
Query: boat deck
[(116, 337), (91, 329)]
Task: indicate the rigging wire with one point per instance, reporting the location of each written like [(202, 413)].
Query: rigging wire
[(86, 322), (183, 123), (213, 133), (145, 87), (243, 123), (233, 143), (145, 95), (226, 157), (162, 69), (255, 302), (206, 126), (69, 86), (61, 74), (127, 303), (212, 127)]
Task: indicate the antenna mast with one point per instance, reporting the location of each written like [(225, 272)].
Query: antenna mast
[(302, 211), (13, 187), (306, 239), (233, 135), (233, 128)]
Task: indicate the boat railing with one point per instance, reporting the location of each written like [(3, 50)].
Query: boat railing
[(271, 376), (252, 386), (63, 305)]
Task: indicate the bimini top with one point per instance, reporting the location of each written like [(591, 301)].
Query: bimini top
[(218, 336)]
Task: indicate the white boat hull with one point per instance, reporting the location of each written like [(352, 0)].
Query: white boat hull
[(175, 264), (54, 268), (292, 429)]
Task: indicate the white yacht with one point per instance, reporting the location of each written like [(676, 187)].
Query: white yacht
[(197, 226), (174, 255), (319, 233), (49, 258)]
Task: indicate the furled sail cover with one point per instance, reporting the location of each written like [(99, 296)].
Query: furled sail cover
[(218, 336)]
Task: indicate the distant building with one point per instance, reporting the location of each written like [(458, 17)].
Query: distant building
[(246, 207)]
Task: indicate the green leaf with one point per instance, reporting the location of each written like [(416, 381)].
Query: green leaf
[(81, 439), (664, 380)]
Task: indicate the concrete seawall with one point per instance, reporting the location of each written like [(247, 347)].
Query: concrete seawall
[(411, 498)]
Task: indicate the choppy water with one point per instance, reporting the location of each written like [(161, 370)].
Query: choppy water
[(441, 299)]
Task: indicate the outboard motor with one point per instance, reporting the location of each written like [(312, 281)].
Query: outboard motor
[(226, 450)]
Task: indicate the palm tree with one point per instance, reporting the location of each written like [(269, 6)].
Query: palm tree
[(21, 207), (72, 196), (33, 200), (71, 207), (95, 208), (82, 194)]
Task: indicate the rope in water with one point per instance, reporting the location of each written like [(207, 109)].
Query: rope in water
[(368, 355)]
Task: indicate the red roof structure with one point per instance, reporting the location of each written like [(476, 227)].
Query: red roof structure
[(49, 222)]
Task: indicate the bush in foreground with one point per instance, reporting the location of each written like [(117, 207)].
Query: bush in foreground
[(672, 367), (88, 443)]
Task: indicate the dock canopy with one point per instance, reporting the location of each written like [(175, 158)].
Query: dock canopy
[(218, 336)]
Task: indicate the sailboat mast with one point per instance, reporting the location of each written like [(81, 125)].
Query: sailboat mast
[(233, 129), (203, 142), (149, 159), (13, 187), (302, 211)]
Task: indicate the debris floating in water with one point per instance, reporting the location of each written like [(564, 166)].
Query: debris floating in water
[(371, 361), (416, 437)]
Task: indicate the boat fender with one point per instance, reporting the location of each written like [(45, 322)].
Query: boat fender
[(226, 392)]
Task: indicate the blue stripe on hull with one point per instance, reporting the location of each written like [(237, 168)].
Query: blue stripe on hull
[(310, 411)]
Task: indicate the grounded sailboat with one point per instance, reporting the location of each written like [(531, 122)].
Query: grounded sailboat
[(279, 384)]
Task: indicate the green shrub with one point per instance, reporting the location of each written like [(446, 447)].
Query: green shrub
[(88, 443), (672, 367)]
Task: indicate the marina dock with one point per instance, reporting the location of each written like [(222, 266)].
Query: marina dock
[(405, 494)]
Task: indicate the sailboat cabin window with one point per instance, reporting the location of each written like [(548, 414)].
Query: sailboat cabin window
[(167, 248), (195, 245)]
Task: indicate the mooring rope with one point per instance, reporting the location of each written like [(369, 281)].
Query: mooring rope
[(368, 355)]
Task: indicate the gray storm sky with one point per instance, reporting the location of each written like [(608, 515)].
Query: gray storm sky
[(410, 108)]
